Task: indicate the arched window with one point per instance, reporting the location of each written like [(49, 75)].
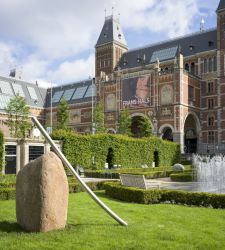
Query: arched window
[(186, 66), (193, 68), (205, 66), (210, 64)]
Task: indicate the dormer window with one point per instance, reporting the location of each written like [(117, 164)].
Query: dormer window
[(119, 36), (138, 59), (105, 35), (124, 61), (191, 47), (210, 43)]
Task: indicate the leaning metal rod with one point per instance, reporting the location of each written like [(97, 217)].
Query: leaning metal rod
[(66, 162)]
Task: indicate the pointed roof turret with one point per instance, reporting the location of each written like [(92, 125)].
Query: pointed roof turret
[(221, 5), (111, 32)]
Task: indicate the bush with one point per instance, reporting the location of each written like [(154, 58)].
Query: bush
[(152, 174), (75, 187), (8, 190), (182, 177), (8, 178), (1, 151), (130, 194), (7, 185), (127, 152), (7, 193)]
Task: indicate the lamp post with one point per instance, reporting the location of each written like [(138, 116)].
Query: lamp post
[(92, 107), (51, 110)]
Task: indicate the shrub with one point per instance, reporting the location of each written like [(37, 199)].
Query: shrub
[(182, 177), (8, 190), (152, 174), (127, 152), (130, 194), (7, 193), (7, 185), (1, 151), (8, 178)]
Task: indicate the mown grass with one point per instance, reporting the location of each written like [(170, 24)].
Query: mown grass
[(155, 227)]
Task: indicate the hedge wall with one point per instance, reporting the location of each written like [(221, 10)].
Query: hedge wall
[(151, 196), (111, 175), (1, 151), (182, 177), (127, 152), (8, 190)]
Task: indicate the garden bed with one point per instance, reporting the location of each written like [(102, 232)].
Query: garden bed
[(151, 196)]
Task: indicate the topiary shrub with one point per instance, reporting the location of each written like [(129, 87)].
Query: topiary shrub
[(127, 152)]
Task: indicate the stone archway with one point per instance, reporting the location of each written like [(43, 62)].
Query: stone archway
[(166, 132), (191, 132)]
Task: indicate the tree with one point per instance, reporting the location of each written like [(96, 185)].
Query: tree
[(125, 123), (145, 127), (63, 114), (99, 118), (18, 117)]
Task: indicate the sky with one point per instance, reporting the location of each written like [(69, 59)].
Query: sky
[(53, 41)]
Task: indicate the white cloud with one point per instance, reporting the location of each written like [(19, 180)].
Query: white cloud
[(75, 70), (44, 37)]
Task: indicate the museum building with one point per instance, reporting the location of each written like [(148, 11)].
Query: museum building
[(179, 84)]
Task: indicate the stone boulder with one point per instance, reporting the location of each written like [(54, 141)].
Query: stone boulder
[(178, 167), (42, 194)]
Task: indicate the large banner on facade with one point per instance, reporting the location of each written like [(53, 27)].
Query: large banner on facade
[(136, 92)]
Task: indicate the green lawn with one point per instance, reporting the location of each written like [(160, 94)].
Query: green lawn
[(150, 227)]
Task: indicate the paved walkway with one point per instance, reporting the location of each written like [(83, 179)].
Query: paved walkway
[(162, 183)]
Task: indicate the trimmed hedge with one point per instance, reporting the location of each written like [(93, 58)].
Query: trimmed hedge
[(6, 178), (7, 193), (1, 151), (112, 175), (127, 152), (182, 177), (151, 196)]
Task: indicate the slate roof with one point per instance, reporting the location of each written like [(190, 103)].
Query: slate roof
[(77, 92), (111, 32), (33, 94), (221, 5), (188, 45)]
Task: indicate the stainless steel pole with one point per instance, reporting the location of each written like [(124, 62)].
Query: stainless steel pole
[(69, 166)]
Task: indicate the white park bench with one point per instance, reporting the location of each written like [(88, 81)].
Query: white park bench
[(138, 181)]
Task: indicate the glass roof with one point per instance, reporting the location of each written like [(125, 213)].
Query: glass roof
[(68, 94), (18, 89), (164, 54), (6, 88), (4, 100), (79, 93), (89, 91), (32, 93), (57, 96)]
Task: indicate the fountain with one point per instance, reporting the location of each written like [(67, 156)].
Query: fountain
[(209, 173)]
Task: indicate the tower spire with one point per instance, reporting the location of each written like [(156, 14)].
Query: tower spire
[(221, 5)]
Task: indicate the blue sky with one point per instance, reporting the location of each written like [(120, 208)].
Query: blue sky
[(53, 41)]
